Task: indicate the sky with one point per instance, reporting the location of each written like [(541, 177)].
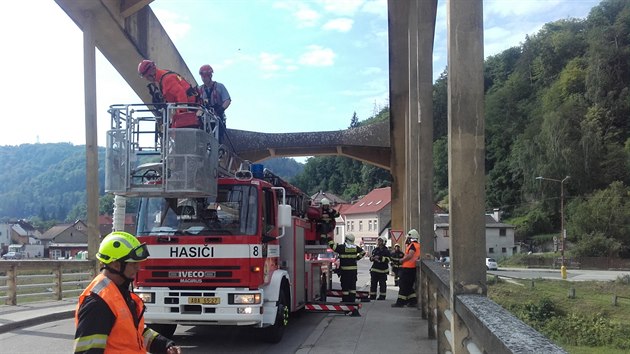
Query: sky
[(290, 66)]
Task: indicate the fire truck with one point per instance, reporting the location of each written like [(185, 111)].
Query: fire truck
[(230, 242)]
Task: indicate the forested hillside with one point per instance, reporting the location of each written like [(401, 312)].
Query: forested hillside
[(44, 180), (47, 181)]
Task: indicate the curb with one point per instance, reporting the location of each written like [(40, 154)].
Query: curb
[(8, 327)]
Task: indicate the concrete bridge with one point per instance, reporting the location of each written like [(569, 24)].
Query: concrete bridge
[(127, 31)]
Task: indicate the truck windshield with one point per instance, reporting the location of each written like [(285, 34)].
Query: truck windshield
[(233, 212)]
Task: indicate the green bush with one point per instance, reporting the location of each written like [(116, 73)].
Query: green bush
[(593, 331)]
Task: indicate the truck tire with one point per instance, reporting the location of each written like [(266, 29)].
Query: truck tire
[(167, 330), (274, 333)]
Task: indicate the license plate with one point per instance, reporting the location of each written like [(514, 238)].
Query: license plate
[(204, 300)]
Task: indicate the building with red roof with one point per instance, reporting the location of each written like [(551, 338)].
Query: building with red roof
[(367, 218)]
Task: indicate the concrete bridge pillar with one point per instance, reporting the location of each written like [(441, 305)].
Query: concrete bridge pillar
[(466, 155), (398, 18)]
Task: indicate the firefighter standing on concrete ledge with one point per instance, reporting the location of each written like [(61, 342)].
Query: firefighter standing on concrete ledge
[(349, 254), (407, 292), (326, 224), (379, 270)]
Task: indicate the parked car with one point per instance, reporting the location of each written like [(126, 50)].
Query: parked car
[(13, 255), (491, 264)]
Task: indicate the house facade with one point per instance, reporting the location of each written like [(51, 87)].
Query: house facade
[(66, 240), (499, 237), (20, 232), (366, 218)]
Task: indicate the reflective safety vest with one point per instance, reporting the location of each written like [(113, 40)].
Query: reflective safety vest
[(411, 263), (348, 255), (121, 338)]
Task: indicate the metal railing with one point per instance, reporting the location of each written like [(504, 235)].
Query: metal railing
[(489, 327), (36, 280)]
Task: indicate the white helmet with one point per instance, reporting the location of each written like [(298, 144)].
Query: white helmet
[(382, 239), (413, 235), (350, 238), (325, 201)]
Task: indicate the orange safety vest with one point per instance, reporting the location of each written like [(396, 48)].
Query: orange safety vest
[(174, 88), (411, 263), (120, 339)]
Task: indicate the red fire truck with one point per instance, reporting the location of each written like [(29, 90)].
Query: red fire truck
[(229, 243)]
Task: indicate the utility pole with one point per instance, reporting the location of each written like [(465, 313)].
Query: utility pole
[(563, 269)]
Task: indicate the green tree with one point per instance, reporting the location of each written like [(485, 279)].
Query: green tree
[(605, 212), (354, 122)]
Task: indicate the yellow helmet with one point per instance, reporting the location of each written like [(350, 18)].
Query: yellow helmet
[(121, 246)]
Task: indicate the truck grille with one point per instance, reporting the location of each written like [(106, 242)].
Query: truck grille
[(191, 276)]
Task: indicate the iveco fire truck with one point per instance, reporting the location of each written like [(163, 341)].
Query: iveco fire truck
[(230, 243)]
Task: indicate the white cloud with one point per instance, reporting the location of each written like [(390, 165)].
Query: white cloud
[(269, 62), (175, 25), (304, 14), (307, 17), (318, 56), (344, 7), (339, 24)]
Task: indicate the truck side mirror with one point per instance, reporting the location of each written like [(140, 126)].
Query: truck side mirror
[(284, 215)]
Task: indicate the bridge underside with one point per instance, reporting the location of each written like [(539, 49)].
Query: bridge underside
[(368, 143)]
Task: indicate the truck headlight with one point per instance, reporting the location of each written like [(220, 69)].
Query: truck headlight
[(148, 298), (245, 299)]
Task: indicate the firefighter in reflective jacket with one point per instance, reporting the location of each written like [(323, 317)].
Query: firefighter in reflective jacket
[(349, 254), (395, 256), (379, 270), (109, 317), (407, 292)]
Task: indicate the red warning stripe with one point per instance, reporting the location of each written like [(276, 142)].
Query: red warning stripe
[(332, 307)]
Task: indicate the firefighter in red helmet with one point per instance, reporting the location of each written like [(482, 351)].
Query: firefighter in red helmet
[(167, 86)]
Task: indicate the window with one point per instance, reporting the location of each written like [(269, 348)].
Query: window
[(55, 254), (375, 224), (502, 232), (348, 225), (503, 250), (445, 233), (369, 225), (491, 250), (351, 225), (360, 225)]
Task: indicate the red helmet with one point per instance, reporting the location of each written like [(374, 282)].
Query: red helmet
[(205, 69), (145, 66)]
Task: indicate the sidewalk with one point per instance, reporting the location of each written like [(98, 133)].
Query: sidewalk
[(379, 329), (34, 313)]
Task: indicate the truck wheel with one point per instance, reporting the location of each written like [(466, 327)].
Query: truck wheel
[(274, 333), (167, 330)]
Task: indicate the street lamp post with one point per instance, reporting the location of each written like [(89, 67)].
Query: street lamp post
[(562, 232)]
